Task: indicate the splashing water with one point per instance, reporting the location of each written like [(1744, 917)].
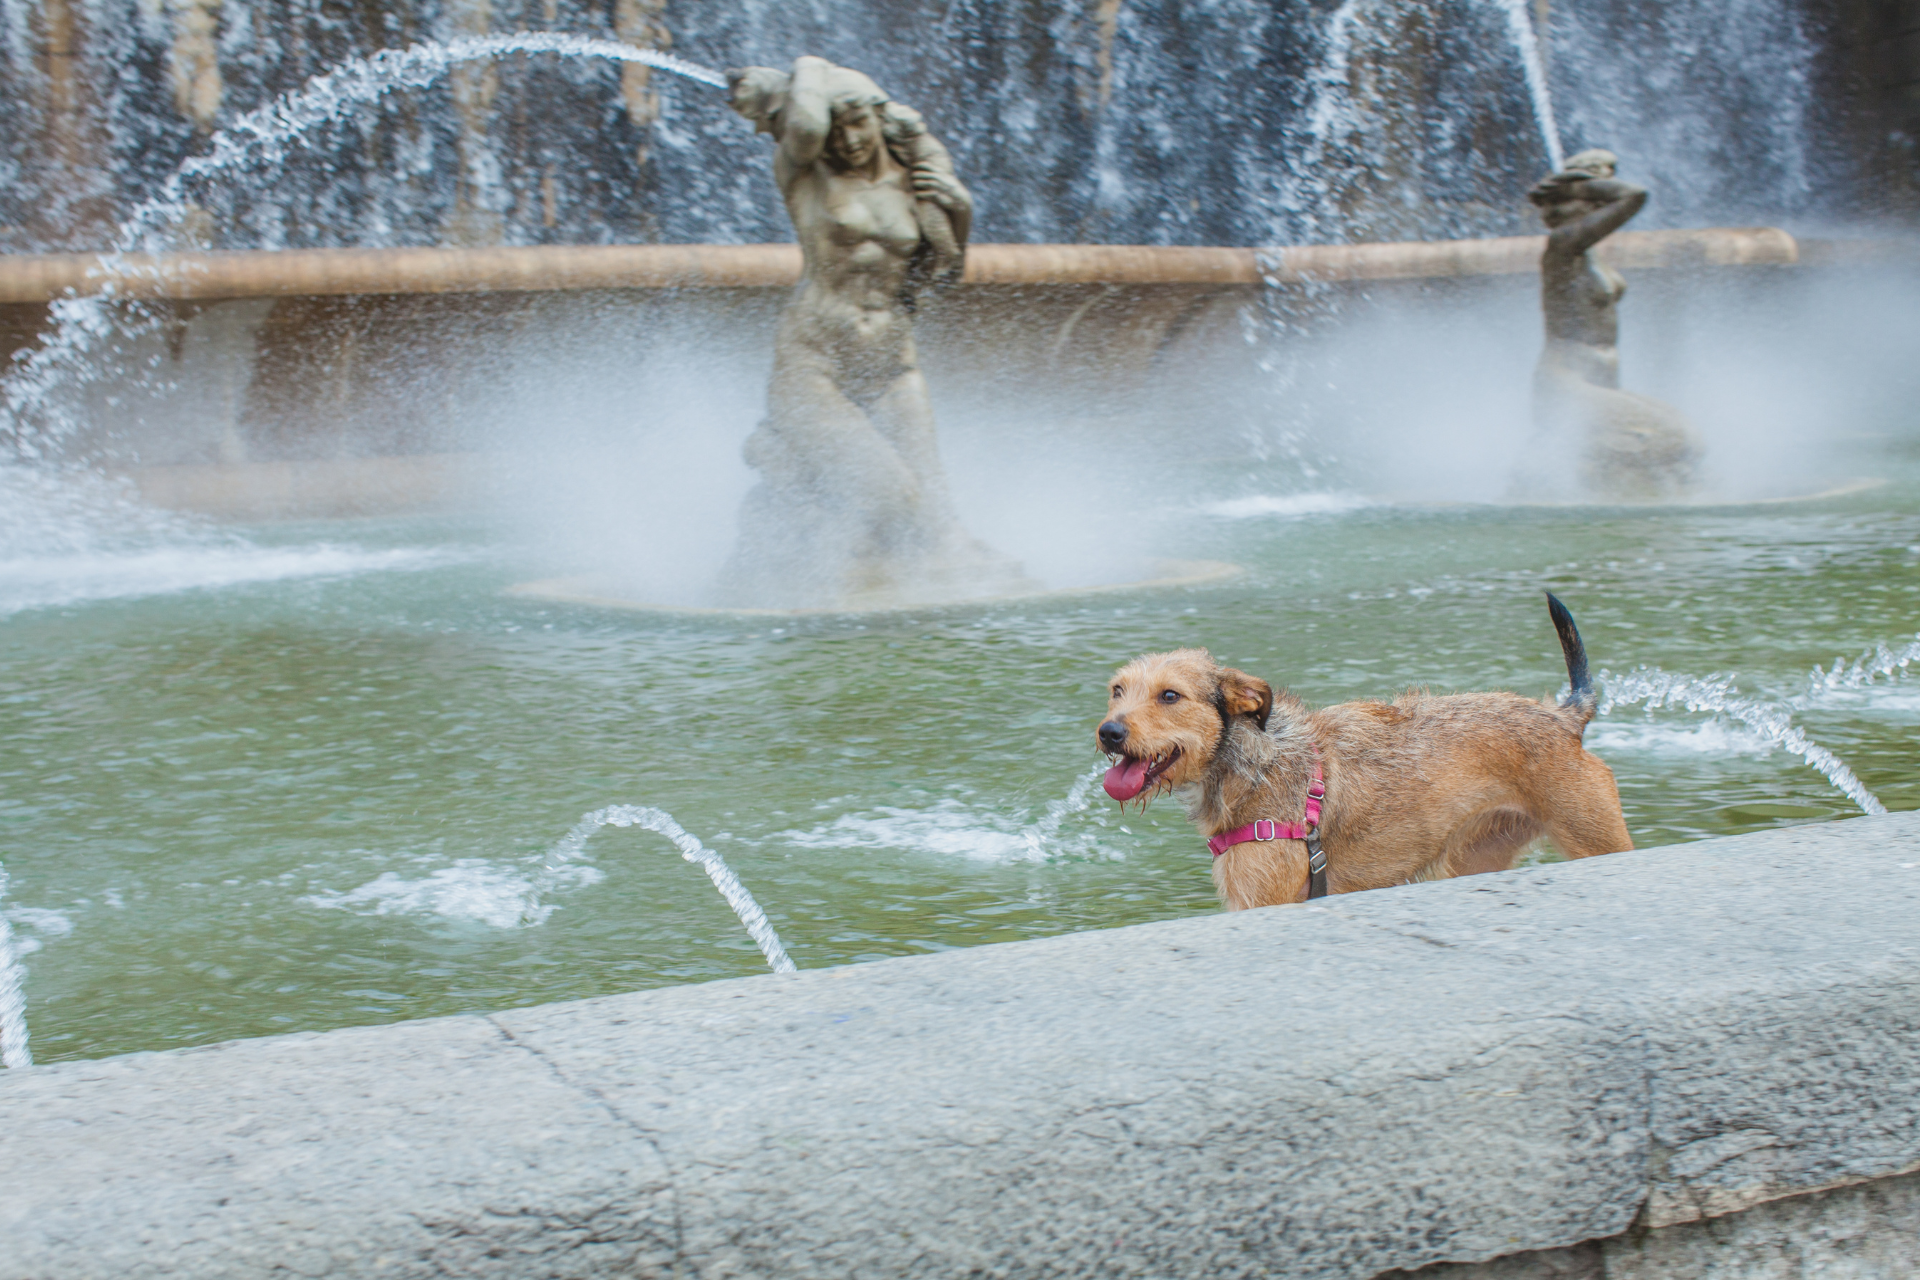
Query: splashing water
[(1869, 667), (953, 827), (82, 326), (1332, 111), (1041, 833), (660, 821), (1332, 120), (1526, 43), (14, 1053), (1657, 688)]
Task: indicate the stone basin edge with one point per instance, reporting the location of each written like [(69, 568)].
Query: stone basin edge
[(263, 273), (1619, 1049)]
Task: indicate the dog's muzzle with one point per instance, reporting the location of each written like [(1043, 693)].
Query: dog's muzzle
[(1133, 774)]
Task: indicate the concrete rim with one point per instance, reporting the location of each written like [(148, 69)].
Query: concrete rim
[(594, 591)]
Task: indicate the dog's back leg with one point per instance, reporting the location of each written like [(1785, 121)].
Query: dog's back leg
[(1584, 818), (1490, 841)]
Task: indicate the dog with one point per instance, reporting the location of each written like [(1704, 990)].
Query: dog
[(1421, 788)]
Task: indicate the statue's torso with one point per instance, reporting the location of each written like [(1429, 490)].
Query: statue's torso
[(1580, 298), (857, 236)]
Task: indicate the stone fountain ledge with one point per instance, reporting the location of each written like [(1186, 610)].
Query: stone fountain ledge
[(40, 278), (1615, 1051)]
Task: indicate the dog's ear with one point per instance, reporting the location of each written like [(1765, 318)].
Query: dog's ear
[(1246, 695)]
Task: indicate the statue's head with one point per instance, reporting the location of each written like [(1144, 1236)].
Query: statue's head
[(1594, 160), (759, 94), (855, 136), (1559, 196)]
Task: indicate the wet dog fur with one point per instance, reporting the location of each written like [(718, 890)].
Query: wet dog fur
[(1421, 788)]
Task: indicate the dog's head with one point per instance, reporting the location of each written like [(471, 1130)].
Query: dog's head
[(1169, 714)]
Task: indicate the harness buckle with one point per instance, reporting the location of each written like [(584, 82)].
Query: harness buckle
[(1317, 789), (1266, 829)]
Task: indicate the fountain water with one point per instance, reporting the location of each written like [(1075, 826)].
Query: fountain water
[(266, 738), (14, 1052), (1526, 44), (1657, 688), (29, 418), (660, 821), (1879, 662), (1043, 831), (1070, 125)]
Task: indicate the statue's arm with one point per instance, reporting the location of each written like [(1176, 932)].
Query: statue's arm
[(808, 115), (1623, 201), (933, 175)]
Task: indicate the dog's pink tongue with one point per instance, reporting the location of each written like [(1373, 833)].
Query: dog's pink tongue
[(1126, 779)]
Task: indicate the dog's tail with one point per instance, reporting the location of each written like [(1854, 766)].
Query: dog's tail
[(1580, 698)]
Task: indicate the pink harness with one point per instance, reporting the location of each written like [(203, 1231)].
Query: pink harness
[(1265, 829)]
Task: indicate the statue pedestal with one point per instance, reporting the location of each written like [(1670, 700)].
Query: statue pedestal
[(603, 591), (1706, 497)]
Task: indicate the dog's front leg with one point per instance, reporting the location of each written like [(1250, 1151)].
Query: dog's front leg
[(1261, 873)]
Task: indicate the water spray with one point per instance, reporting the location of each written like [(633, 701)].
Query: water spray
[(1868, 668), (1526, 42), (660, 821), (14, 1054), (81, 325), (1770, 720), (1078, 797), (1332, 82)]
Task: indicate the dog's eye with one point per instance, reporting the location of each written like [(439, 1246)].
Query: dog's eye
[(1169, 695), (1116, 691)]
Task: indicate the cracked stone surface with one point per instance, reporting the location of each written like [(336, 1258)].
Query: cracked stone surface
[(435, 1148), (1439, 1072), (1867, 1231)]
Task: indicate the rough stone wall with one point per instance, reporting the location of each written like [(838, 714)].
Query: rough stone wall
[(1120, 121), (1873, 80), (1862, 1232)]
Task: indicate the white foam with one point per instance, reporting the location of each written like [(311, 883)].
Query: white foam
[(14, 1053), (43, 921), (1897, 701), (954, 828), (1876, 681), (949, 829), (1716, 737), (500, 895), (1285, 505), (1718, 696), (69, 536), (511, 895), (45, 581)]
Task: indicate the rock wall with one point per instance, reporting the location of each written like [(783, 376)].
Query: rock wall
[(1121, 121)]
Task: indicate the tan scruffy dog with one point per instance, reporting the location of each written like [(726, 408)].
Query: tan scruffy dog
[(1421, 788)]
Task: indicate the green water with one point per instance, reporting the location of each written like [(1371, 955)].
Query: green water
[(196, 783)]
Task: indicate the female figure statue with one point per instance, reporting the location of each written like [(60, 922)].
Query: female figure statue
[(852, 502), (1631, 446)]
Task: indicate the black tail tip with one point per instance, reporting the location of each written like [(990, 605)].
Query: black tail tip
[(1580, 684)]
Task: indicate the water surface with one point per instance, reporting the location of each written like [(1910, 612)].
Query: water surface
[(318, 792)]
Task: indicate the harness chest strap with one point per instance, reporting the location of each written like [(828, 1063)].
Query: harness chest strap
[(1265, 829)]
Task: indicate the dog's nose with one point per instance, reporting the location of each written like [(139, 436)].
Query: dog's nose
[(1113, 735)]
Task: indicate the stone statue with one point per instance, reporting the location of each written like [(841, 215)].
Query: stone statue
[(1629, 446), (851, 507)]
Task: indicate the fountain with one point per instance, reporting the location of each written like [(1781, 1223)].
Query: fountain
[(349, 735), (1628, 446)]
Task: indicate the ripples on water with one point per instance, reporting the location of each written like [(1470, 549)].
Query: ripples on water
[(307, 799)]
